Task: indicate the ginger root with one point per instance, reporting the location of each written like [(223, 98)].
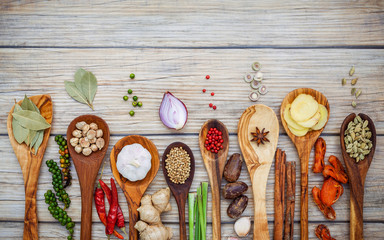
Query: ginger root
[(150, 225)]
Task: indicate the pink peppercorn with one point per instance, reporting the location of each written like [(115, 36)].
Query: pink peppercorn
[(212, 93), (207, 77), (204, 90), (214, 107)]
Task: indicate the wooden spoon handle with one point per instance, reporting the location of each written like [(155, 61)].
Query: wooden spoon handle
[(86, 213), (304, 158), (133, 216), (182, 226), (357, 200), (30, 218)]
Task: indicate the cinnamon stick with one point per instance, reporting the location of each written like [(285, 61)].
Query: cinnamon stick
[(290, 209), (279, 194)]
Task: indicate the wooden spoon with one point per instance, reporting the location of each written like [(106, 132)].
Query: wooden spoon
[(30, 164), (356, 174), (180, 191), (87, 168), (214, 163), (258, 159), (134, 191), (303, 145)]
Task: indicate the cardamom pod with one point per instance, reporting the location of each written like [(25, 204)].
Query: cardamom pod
[(354, 81), (343, 81), (353, 104), (352, 71), (358, 93)]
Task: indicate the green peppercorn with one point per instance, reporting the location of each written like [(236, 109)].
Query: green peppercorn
[(135, 98), (134, 104), (125, 98), (132, 76), (139, 104), (130, 91), (131, 113)]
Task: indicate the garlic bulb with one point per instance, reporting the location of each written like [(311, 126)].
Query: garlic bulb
[(134, 162), (242, 226)]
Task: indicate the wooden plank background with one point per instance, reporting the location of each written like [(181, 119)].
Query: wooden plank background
[(172, 45)]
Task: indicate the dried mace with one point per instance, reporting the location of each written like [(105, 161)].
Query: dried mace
[(260, 137)]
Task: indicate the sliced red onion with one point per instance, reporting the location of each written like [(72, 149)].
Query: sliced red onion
[(173, 112)]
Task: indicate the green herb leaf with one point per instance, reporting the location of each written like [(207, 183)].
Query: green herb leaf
[(30, 137), (31, 120), (20, 133), (76, 93), (78, 76), (89, 86), (27, 104), (39, 140)]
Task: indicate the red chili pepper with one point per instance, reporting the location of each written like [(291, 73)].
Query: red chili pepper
[(112, 214), (100, 208), (120, 217)]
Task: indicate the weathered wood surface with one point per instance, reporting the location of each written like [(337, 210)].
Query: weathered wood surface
[(192, 23), (172, 45), (182, 71)]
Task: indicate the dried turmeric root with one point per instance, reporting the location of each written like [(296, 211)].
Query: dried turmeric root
[(150, 225)]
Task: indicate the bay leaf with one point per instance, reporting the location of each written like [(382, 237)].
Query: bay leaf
[(89, 86), (31, 120), (31, 136), (76, 93), (78, 76), (19, 132), (34, 139), (27, 104), (39, 140)]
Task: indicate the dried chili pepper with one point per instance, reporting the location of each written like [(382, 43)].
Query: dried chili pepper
[(120, 217), (320, 148), (336, 171), (328, 212), (331, 191), (322, 232), (100, 208), (112, 213)]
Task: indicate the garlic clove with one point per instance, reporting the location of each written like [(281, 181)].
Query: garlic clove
[(87, 151), (99, 133), (100, 143), (85, 129), (78, 148), (242, 226), (80, 125), (84, 142), (93, 126), (74, 141), (76, 133), (92, 141), (91, 134), (94, 148)]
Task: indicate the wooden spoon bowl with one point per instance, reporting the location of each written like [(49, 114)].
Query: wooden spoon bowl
[(30, 164), (180, 191), (87, 168), (258, 159), (134, 191), (303, 145), (214, 163), (356, 174)]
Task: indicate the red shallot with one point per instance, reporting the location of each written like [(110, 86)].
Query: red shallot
[(173, 112)]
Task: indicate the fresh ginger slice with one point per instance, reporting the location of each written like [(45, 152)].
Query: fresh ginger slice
[(298, 133), (303, 107), (312, 121), (288, 119), (323, 118)]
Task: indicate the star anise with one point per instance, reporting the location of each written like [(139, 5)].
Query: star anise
[(260, 137)]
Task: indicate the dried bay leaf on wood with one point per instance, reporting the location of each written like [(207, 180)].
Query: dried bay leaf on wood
[(31, 120), (39, 140), (30, 137), (78, 76), (89, 86), (19, 132), (76, 93), (27, 104)]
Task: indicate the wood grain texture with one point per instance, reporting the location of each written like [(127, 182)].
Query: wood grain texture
[(304, 146), (180, 191), (192, 23), (182, 72), (30, 164), (134, 191), (356, 176), (87, 168), (214, 164), (258, 159)]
